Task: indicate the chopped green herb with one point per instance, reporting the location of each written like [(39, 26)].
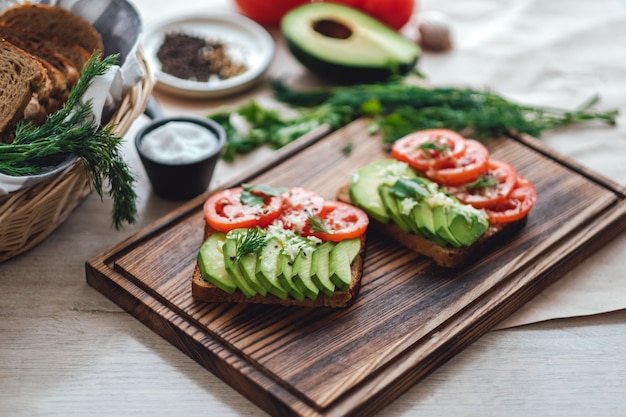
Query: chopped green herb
[(484, 181), (317, 224), (254, 195)]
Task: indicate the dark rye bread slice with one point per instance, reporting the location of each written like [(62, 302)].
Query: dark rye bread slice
[(21, 76), (55, 21), (202, 290), (448, 257), (77, 55), (60, 69)]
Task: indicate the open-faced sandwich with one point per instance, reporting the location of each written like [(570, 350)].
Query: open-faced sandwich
[(441, 195), (287, 246)]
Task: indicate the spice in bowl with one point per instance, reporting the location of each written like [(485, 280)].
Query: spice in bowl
[(191, 57)]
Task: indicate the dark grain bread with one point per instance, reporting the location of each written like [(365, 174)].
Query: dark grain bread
[(77, 55), (449, 257), (202, 290), (60, 70), (55, 21), (21, 76)]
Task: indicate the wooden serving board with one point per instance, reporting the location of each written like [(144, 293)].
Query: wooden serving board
[(411, 316)]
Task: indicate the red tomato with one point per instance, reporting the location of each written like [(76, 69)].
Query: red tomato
[(484, 197), (430, 148), (467, 168), (517, 206), (298, 205), (393, 13), (224, 211), (267, 12), (341, 220)]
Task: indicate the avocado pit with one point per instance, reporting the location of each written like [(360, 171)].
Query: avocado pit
[(332, 29)]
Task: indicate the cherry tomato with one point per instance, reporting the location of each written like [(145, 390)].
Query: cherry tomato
[(341, 221), (393, 13), (224, 211), (517, 206), (504, 179), (267, 12), (430, 148), (298, 205), (467, 168)]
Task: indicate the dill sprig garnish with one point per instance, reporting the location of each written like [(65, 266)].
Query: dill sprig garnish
[(317, 224), (249, 241), (71, 132), (395, 109)]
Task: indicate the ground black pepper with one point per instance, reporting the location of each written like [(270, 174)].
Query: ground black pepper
[(193, 58)]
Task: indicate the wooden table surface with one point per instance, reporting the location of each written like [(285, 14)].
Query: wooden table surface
[(66, 350)]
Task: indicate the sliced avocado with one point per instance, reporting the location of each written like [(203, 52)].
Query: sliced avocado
[(268, 268), (365, 182), (392, 206), (211, 263), (341, 258), (467, 224), (320, 268), (343, 44), (440, 220), (424, 217), (249, 288), (302, 273), (285, 278)]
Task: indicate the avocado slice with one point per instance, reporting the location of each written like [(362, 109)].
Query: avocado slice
[(440, 219), (268, 268), (302, 273), (365, 183), (211, 263), (341, 257), (320, 268), (467, 224), (343, 44)]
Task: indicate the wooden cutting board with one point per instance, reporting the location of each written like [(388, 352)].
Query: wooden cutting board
[(411, 316)]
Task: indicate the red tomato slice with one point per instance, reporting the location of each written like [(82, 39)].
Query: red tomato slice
[(431, 148), (484, 197), (341, 220), (298, 205), (517, 206), (224, 211), (464, 169)]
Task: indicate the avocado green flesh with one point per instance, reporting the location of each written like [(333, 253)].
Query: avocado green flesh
[(365, 184), (339, 42), (211, 263), (290, 266)]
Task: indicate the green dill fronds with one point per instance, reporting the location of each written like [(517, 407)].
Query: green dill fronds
[(249, 241)]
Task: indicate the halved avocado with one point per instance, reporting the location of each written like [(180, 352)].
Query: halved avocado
[(342, 44)]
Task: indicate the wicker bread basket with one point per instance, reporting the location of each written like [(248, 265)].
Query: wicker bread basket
[(28, 216)]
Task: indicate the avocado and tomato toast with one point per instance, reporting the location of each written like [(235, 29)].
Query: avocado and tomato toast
[(441, 195), (278, 245)]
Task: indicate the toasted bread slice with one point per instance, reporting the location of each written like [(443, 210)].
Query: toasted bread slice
[(202, 290), (449, 257), (56, 21)]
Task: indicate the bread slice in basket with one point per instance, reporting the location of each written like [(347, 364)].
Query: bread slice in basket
[(21, 76)]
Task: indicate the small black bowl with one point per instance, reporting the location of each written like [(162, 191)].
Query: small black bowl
[(181, 181)]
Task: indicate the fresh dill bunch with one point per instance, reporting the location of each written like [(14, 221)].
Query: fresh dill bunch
[(397, 109), (249, 241), (71, 132)]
